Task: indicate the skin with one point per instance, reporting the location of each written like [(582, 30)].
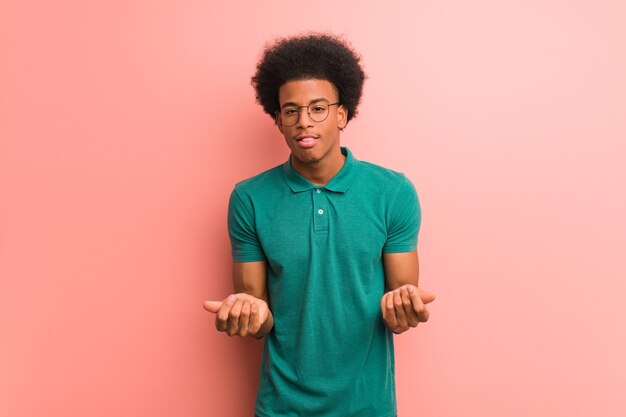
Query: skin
[(404, 304), (246, 312), (320, 163)]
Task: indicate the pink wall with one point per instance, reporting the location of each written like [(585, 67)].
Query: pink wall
[(125, 124)]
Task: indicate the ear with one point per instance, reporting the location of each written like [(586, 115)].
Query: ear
[(342, 117)]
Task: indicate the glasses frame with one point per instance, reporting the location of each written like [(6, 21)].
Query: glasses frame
[(278, 113)]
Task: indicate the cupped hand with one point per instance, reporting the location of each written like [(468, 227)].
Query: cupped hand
[(239, 314), (405, 307)]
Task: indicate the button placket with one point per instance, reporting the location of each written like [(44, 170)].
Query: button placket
[(320, 212)]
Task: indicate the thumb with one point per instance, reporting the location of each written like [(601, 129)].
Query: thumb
[(212, 306), (426, 297)]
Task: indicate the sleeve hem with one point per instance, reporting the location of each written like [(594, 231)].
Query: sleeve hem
[(399, 248), (248, 257)]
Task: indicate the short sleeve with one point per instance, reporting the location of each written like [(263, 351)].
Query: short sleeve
[(403, 220), (244, 242)]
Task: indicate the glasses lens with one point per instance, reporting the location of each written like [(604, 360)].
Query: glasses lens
[(318, 111), (289, 115)]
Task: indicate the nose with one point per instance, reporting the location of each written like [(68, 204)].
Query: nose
[(304, 120)]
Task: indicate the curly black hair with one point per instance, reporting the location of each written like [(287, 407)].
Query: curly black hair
[(309, 56)]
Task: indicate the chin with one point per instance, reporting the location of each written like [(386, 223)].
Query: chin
[(307, 159)]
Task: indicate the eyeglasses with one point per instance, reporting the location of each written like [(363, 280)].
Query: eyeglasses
[(318, 112)]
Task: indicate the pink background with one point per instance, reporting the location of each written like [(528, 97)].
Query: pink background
[(125, 124)]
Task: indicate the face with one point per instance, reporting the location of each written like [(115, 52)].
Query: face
[(310, 141)]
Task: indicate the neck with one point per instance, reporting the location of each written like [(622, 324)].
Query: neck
[(322, 171)]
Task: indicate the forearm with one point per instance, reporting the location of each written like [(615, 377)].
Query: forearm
[(401, 269), (250, 281)]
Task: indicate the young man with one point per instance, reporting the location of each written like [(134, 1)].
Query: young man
[(324, 246)]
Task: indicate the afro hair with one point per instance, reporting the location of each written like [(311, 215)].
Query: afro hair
[(310, 56)]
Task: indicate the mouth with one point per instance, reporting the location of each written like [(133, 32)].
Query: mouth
[(307, 141)]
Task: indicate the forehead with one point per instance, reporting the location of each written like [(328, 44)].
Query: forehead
[(302, 92)]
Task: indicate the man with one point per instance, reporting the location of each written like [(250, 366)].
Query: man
[(324, 246)]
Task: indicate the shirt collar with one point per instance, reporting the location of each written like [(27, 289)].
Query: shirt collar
[(339, 183)]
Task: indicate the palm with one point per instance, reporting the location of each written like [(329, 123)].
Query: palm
[(240, 313)]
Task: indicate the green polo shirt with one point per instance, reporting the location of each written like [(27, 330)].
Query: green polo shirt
[(329, 353)]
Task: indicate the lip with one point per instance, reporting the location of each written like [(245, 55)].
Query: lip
[(299, 138), (306, 141)]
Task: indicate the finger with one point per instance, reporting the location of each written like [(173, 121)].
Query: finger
[(244, 318), (255, 322), (383, 306), (407, 304), (426, 296), (418, 306), (391, 320), (233, 318), (212, 306), (221, 317), (399, 309)]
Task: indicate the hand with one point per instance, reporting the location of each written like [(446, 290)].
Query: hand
[(239, 314), (405, 307)]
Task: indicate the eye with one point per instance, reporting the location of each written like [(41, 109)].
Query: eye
[(318, 109), (289, 111)]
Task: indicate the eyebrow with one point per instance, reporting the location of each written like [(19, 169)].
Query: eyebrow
[(291, 103)]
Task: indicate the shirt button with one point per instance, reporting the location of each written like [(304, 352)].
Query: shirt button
[(320, 211), (319, 191)]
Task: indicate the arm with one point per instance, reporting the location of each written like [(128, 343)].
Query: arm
[(251, 278), (400, 269), (245, 313), (404, 305)]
